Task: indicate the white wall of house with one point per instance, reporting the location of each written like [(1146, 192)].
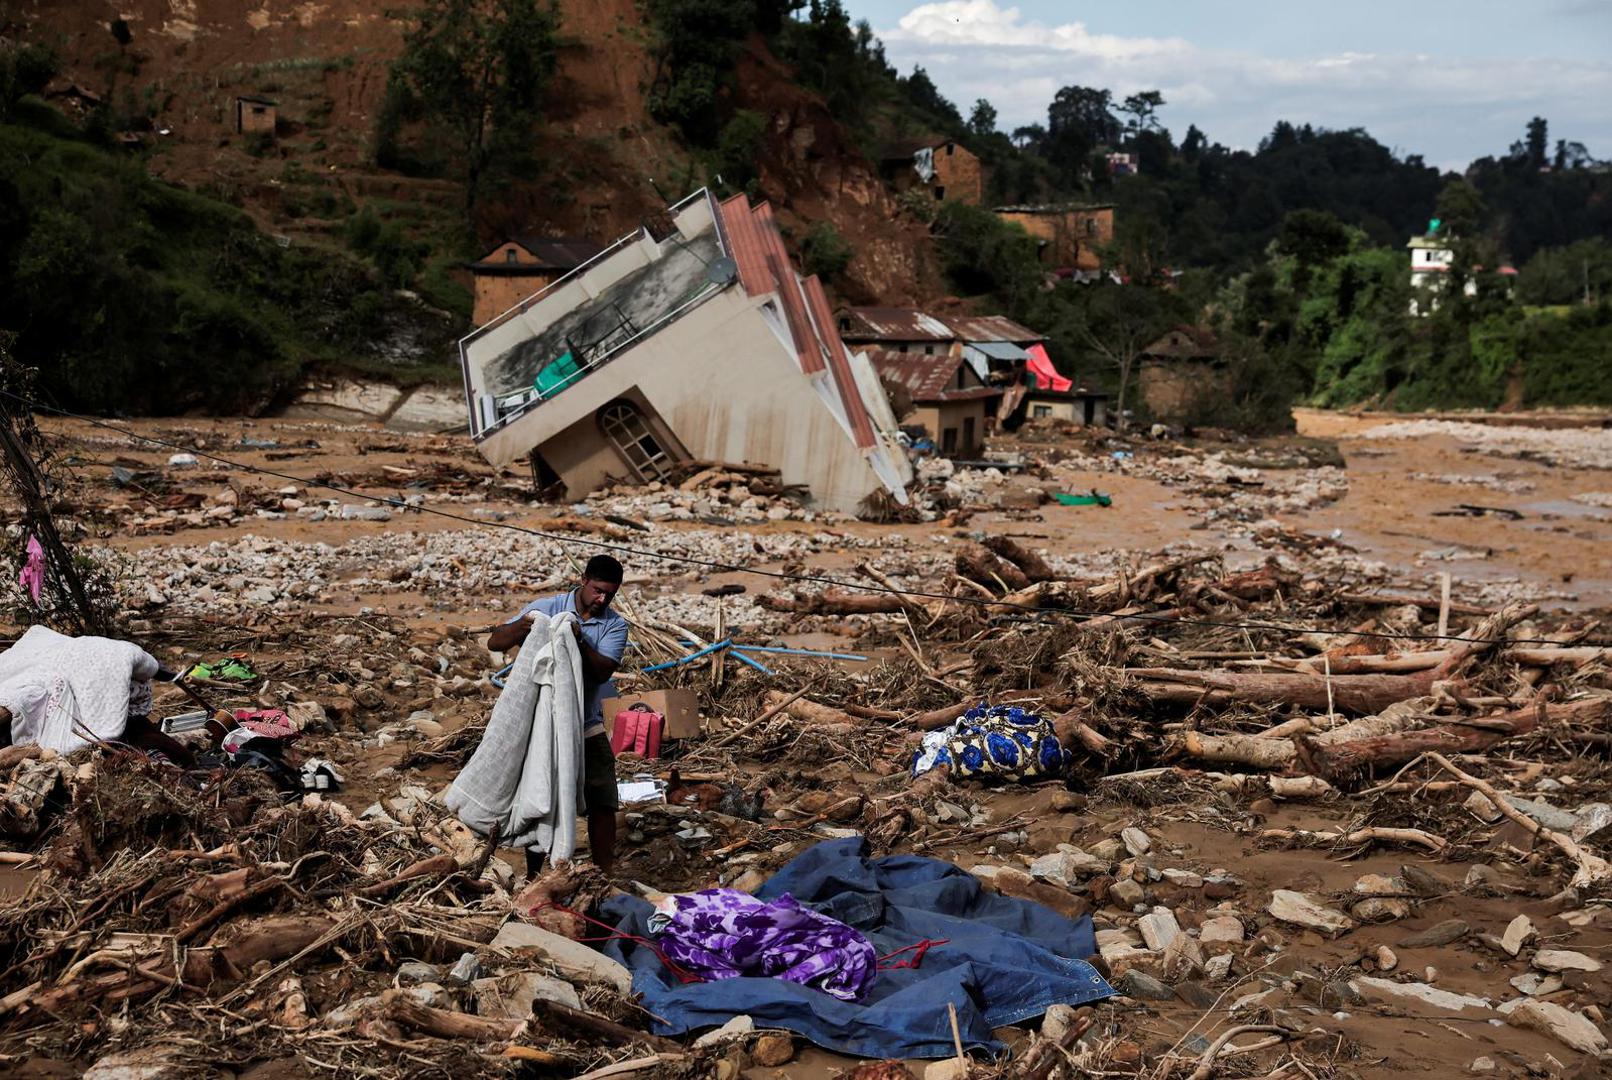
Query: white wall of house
[(727, 387)]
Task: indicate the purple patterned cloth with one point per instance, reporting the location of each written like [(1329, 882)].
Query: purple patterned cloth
[(725, 934)]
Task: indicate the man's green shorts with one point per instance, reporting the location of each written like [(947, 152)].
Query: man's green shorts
[(599, 775)]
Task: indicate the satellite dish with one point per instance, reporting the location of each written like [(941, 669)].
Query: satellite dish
[(721, 270)]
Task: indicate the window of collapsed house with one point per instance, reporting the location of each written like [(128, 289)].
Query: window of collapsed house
[(511, 255), (940, 193), (629, 433), (1041, 411)]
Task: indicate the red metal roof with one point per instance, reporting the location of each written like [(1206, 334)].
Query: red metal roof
[(928, 378), (990, 328), (746, 246), (839, 364)]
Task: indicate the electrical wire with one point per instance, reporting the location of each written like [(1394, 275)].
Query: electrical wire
[(1029, 611)]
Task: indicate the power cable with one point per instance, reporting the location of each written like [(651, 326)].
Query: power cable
[(1030, 611)]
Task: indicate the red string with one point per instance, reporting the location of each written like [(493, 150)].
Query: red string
[(917, 951), (683, 974)]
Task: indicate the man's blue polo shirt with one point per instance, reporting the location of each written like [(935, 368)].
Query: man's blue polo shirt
[(606, 634)]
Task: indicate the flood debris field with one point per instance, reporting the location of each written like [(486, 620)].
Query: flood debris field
[(1316, 836)]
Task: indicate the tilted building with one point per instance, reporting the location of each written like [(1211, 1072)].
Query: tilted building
[(690, 339)]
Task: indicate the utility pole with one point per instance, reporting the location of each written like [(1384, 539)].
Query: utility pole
[(18, 433)]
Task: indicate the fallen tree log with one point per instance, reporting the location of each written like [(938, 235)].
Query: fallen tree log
[(400, 1006), (1032, 565), (982, 567), (1072, 730), (833, 602), (806, 710), (1346, 758)]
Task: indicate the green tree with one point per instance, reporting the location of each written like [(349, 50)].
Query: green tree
[(1118, 323), (25, 68), (694, 46), (982, 121), (1143, 110), (825, 252), (476, 71)]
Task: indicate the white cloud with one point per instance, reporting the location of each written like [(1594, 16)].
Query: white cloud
[(1449, 109)]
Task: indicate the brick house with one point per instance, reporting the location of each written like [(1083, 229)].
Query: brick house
[(945, 168), (1178, 369), (520, 267), (1071, 238), (255, 116)]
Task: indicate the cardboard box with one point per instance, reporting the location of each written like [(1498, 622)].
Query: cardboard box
[(681, 708)]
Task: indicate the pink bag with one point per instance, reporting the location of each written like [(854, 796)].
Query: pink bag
[(638, 731)]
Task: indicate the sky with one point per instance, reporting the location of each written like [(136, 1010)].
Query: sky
[(1449, 80)]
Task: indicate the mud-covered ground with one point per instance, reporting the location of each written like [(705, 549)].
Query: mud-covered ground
[(374, 608)]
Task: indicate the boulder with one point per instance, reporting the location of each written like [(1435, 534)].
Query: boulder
[(1308, 912), (571, 958), (1567, 1027)]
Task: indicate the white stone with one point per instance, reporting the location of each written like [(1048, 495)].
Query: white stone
[(1218, 967), (1564, 960), (1184, 878), (947, 1069), (1534, 984), (1519, 932), (1135, 840), (1301, 910), (1221, 930), (1386, 990), (1481, 1065), (1387, 960), (1567, 1027), (738, 1026), (571, 958), (1158, 928), (1057, 1022), (146, 1063)]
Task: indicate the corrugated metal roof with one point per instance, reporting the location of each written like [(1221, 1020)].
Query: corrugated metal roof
[(807, 349), (895, 324), (980, 328), (745, 245), (927, 378)]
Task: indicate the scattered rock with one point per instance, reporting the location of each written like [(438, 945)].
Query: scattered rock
[(945, 1069), (1158, 928), (1126, 893), (1058, 1022), (1222, 930), (1559, 960), (1135, 840), (1533, 984), (512, 995), (1398, 993), (1481, 1065), (1141, 985), (1306, 911), (1519, 932), (1386, 958), (571, 958), (1438, 934), (1567, 1027), (773, 1049), (735, 1028)]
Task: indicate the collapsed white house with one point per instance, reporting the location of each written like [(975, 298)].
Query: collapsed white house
[(699, 344)]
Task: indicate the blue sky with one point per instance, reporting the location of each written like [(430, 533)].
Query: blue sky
[(1450, 81)]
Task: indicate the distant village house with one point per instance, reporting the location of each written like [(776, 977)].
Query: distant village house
[(521, 267), (943, 167), (1176, 370), (255, 116), (957, 377), (696, 342), (1070, 238), (1431, 258)]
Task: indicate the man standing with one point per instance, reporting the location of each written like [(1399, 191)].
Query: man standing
[(602, 639)]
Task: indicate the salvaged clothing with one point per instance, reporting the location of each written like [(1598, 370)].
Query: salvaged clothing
[(66, 692), (994, 740), (605, 633), (999, 960), (526, 776), (726, 934)]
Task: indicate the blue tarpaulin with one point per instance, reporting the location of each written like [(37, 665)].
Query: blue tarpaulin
[(1004, 960)]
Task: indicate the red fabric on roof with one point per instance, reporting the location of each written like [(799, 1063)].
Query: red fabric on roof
[(1046, 376), (839, 364)]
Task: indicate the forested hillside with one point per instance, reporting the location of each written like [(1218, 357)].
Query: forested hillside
[(405, 146)]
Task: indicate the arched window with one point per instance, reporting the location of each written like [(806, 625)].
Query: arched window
[(624, 426)]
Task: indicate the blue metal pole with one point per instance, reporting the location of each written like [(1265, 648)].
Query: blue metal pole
[(798, 652)]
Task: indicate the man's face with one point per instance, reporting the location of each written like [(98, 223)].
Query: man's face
[(594, 596)]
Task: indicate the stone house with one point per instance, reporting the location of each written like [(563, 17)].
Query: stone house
[(1070, 238), (1177, 369)]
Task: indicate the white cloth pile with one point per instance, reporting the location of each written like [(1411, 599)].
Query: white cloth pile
[(66, 692), (526, 776)]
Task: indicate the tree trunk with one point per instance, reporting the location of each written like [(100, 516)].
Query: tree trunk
[(1035, 568)]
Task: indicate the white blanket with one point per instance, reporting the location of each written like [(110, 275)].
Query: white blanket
[(526, 776), (66, 692)]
